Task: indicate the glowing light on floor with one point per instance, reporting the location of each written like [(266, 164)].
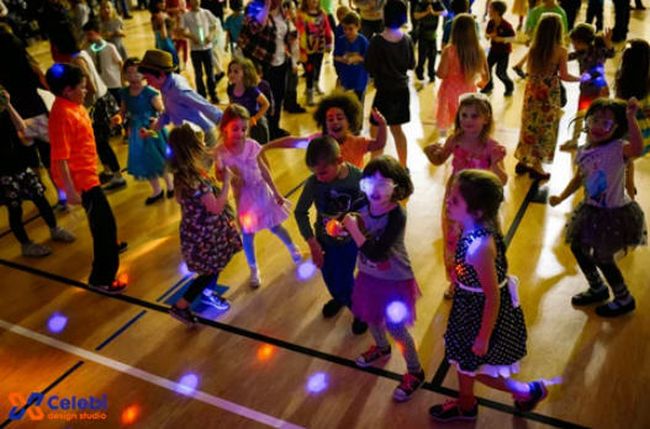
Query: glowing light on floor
[(265, 352), (396, 312), (305, 271), (130, 414), (183, 270), (400, 347), (187, 384), (317, 382), (56, 323), (123, 278)]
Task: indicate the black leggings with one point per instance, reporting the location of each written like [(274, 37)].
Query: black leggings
[(198, 285), (589, 266), (16, 218)]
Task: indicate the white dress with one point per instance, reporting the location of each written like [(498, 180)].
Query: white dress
[(257, 208)]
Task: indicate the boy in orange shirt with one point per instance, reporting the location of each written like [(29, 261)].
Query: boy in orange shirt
[(74, 168)]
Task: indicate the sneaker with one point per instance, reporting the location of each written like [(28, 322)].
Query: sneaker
[(105, 177), (410, 383), (184, 315), (62, 235), (254, 280), (590, 296), (450, 411), (519, 71), (33, 250), (373, 354), (154, 198), (569, 145), (209, 298), (115, 183), (114, 288), (536, 394), (331, 308), (618, 307), (359, 326)]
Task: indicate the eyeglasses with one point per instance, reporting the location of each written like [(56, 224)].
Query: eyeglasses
[(369, 184), (605, 124)]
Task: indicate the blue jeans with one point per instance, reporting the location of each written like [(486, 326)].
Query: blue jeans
[(338, 269)]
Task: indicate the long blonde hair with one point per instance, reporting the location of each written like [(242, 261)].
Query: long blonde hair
[(548, 38), (465, 39), (188, 157)]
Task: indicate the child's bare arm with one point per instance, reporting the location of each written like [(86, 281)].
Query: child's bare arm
[(571, 187), (264, 107), (443, 67), (68, 184), (216, 203), (634, 136), (266, 175), (379, 141), (439, 154)]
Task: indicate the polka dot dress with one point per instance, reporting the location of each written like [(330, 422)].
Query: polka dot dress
[(508, 340)]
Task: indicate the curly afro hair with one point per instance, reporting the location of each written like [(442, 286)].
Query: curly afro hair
[(346, 101)]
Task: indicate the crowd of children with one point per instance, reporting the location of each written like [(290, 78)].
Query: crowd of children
[(360, 210)]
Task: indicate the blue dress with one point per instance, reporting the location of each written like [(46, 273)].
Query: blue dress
[(147, 157)]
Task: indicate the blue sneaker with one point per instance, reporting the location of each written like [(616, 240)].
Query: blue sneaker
[(209, 298)]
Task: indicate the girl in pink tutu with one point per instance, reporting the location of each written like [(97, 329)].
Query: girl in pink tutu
[(259, 203), (385, 289), (460, 64)]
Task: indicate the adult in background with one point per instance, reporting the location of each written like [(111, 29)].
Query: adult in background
[(264, 38)]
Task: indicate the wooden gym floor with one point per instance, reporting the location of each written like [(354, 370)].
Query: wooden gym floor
[(273, 360)]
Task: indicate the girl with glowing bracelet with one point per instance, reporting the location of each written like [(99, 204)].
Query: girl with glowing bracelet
[(385, 289)]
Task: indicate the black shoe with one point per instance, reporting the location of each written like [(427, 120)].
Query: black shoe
[(115, 288), (616, 308), (184, 315), (419, 75), (486, 90), (115, 183), (519, 71), (331, 308), (170, 193), (450, 411), (122, 246), (280, 132), (105, 177), (214, 99), (590, 296), (295, 109), (218, 77), (508, 93), (521, 168), (150, 200), (359, 326)]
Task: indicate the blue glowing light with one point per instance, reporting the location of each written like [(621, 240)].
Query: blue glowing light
[(396, 312), (305, 271), (56, 323), (317, 382), (57, 70), (168, 152), (187, 384), (183, 270)]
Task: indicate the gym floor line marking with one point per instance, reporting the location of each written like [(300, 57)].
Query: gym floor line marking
[(148, 377)]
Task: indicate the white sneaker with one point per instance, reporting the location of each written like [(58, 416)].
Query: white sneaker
[(254, 280)]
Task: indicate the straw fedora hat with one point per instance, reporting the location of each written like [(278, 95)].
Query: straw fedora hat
[(156, 59)]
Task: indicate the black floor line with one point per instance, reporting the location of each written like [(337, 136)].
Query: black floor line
[(286, 345), (121, 330), (52, 385), (173, 288), (295, 188)]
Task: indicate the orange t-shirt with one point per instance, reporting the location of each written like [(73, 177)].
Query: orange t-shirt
[(72, 139), (354, 149)]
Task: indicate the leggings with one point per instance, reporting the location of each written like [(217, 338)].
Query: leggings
[(590, 265), (402, 336), (16, 218), (198, 285), (249, 245)]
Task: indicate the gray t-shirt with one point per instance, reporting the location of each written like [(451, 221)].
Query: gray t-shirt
[(384, 255)]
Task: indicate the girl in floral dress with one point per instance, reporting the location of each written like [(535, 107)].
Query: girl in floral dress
[(541, 112)]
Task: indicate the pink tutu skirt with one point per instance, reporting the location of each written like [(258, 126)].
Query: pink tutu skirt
[(374, 298)]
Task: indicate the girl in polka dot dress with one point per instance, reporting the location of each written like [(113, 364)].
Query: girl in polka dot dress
[(486, 333)]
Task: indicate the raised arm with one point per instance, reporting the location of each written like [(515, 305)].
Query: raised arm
[(439, 154), (635, 146)]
